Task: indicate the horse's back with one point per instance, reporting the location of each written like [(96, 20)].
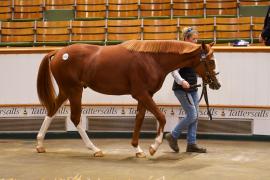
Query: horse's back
[(102, 68), (80, 51), (109, 69)]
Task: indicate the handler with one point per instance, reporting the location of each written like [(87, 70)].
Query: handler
[(183, 78)]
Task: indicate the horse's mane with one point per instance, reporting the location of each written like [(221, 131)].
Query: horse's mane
[(160, 46)]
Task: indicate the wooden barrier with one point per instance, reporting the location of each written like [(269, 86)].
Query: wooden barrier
[(230, 106)]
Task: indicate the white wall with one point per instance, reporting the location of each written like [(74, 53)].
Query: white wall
[(18, 74), (244, 77)]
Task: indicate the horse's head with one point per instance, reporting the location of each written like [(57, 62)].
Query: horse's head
[(207, 65)]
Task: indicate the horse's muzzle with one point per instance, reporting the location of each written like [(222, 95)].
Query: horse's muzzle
[(215, 85)]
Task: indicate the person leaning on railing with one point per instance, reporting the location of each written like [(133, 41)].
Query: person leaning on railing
[(265, 35)]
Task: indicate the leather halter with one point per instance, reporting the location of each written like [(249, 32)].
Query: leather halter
[(204, 84)]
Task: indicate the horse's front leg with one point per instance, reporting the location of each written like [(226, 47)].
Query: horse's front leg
[(148, 102), (138, 124)]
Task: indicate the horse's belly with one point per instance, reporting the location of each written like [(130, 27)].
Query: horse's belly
[(109, 86), (110, 90)]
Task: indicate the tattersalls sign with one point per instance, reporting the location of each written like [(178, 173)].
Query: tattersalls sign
[(260, 117)]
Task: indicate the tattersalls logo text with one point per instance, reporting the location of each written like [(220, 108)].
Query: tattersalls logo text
[(247, 113), (9, 111)]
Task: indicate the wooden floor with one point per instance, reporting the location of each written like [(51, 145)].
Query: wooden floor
[(69, 159)]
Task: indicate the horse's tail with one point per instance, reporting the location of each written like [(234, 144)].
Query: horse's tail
[(45, 89)]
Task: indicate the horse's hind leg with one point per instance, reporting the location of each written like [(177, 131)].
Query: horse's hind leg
[(138, 124), (75, 105), (61, 98)]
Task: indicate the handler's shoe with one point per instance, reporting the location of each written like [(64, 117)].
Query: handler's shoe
[(172, 142), (195, 148)]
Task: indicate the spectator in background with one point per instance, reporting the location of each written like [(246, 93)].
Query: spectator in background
[(265, 35)]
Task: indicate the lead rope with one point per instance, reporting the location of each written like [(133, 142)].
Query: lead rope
[(207, 103), (205, 94)]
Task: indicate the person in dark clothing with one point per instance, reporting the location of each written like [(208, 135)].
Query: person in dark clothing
[(188, 97), (265, 35)]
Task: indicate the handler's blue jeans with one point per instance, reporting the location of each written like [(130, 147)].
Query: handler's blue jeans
[(190, 121)]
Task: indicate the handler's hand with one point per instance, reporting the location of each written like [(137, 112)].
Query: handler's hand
[(185, 84)]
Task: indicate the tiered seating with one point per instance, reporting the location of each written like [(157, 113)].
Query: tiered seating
[(230, 29), (28, 9), (56, 4), (254, 2), (114, 21), (115, 31), (123, 9), (56, 10), (160, 29), (92, 32), (154, 8), (53, 32), (94, 9), (221, 7), (17, 33), (257, 26), (253, 7), (205, 27), (5, 10), (122, 30), (190, 8)]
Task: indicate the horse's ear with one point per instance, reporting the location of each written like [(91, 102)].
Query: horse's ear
[(203, 46), (212, 44)]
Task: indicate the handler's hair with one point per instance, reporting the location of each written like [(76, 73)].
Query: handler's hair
[(187, 32)]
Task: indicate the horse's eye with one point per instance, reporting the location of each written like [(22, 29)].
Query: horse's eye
[(211, 63)]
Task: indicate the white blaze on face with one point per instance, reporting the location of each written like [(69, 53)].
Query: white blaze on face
[(65, 56)]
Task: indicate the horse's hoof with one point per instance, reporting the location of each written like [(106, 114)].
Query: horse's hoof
[(40, 149), (152, 151), (140, 155), (98, 154)]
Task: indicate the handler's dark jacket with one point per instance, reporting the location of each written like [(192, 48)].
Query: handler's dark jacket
[(190, 76), (266, 28)]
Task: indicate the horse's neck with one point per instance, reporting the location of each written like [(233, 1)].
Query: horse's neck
[(171, 62)]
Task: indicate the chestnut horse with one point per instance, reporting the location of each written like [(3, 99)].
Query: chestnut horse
[(134, 67)]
